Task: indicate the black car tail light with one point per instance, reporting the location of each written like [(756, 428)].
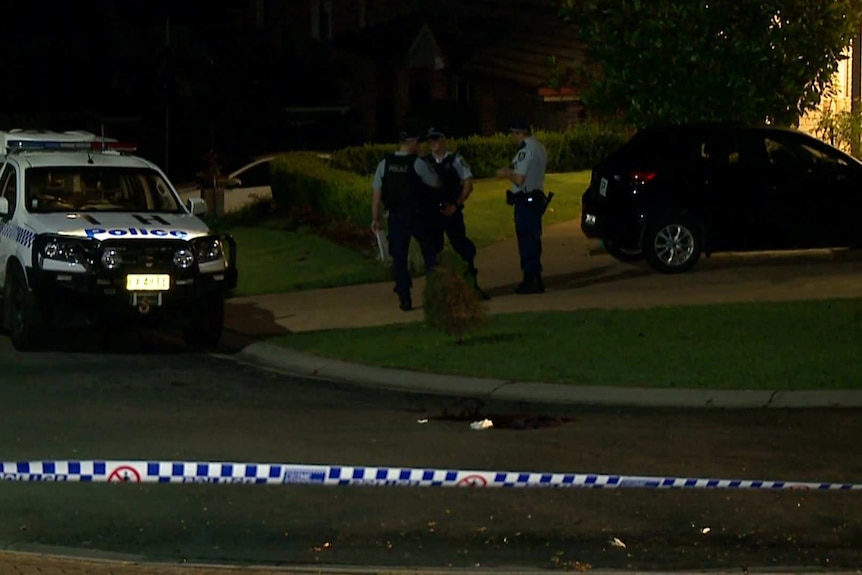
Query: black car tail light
[(641, 176)]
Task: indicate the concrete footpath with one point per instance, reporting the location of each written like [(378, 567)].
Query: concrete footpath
[(577, 276)]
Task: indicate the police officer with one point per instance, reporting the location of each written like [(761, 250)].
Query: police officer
[(527, 177), (400, 182), (445, 211)]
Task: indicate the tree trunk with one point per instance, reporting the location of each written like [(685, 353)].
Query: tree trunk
[(856, 88)]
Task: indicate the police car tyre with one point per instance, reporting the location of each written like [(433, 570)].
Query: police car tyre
[(622, 254), (205, 322), (672, 244), (23, 314)]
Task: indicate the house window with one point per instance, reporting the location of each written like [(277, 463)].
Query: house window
[(420, 91), (363, 13), (321, 20), (258, 13), (463, 92)]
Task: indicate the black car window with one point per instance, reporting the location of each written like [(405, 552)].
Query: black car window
[(724, 150), (795, 153), (784, 156), (824, 157), (9, 187)]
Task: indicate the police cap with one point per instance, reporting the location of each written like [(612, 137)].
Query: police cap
[(434, 133), (407, 135)]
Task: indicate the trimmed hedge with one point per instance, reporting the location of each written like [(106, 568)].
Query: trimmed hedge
[(576, 149), (306, 180)]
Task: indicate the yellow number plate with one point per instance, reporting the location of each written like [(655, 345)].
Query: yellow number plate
[(148, 282)]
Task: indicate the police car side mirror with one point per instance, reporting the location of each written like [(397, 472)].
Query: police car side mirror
[(197, 206), (4, 206)]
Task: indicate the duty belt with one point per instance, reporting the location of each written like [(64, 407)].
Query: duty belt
[(531, 196), (537, 196)]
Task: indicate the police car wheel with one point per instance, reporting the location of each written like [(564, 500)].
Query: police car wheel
[(205, 323), (23, 314)]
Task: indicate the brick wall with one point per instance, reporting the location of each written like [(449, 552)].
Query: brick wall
[(487, 111), (439, 84), (382, 10), (346, 16), (402, 97), (559, 115)]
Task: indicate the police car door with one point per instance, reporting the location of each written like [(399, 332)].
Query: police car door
[(8, 193)]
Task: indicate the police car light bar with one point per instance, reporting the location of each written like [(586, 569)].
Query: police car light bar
[(54, 145)]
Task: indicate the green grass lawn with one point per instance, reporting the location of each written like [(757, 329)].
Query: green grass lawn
[(277, 261), (490, 220), (796, 345), (273, 260)]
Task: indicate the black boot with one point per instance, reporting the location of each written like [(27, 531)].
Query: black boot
[(482, 294), (532, 284), (406, 302)]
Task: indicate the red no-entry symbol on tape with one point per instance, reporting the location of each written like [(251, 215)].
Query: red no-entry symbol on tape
[(472, 481), (124, 474)]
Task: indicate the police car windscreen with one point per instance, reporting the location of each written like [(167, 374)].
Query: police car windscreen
[(90, 188)]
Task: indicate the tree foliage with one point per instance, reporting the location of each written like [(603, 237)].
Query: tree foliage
[(659, 61)]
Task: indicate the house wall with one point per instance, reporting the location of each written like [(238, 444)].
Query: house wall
[(291, 21), (560, 116), (499, 105), (839, 102)]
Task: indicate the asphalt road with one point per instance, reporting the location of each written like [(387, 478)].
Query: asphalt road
[(141, 398)]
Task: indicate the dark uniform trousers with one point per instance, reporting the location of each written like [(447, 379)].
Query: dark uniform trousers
[(528, 228), (453, 227), (405, 223)]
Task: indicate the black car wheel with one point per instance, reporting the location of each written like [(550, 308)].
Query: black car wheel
[(206, 323), (22, 313), (672, 245), (622, 254)]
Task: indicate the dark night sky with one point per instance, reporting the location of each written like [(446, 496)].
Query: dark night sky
[(65, 61), (66, 51)]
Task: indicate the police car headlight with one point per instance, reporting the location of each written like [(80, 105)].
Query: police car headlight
[(112, 258), (57, 249), (184, 258), (208, 250), (51, 250)]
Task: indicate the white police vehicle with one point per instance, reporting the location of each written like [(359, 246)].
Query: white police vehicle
[(89, 230)]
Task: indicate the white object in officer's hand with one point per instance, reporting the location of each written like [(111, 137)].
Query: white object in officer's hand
[(382, 245)]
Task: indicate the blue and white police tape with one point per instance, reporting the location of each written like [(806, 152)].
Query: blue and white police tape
[(287, 473)]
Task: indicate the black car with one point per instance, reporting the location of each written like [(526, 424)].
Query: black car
[(672, 193)]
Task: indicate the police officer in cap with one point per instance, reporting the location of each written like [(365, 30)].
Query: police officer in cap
[(446, 214), (527, 177), (400, 182)]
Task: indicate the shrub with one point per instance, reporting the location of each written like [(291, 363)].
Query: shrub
[(305, 180), (249, 215), (451, 302), (578, 148), (841, 129), (362, 159)]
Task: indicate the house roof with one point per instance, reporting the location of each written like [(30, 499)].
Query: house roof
[(508, 44), (454, 34), (523, 59)]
